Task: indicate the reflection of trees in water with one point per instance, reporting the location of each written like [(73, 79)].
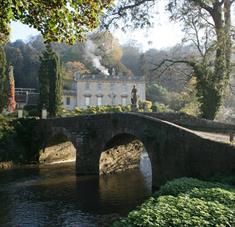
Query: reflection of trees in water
[(52, 194), (123, 191)]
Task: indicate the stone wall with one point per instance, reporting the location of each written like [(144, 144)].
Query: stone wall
[(121, 158), (61, 152), (194, 123)]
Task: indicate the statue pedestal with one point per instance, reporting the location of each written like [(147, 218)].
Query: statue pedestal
[(44, 114), (20, 113), (134, 108)]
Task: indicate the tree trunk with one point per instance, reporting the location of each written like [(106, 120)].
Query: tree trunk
[(228, 41)]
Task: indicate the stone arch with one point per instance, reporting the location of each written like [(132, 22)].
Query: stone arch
[(58, 147), (124, 147)]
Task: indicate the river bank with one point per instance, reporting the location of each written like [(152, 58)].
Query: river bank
[(15, 141), (16, 145)]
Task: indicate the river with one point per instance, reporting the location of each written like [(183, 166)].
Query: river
[(52, 195)]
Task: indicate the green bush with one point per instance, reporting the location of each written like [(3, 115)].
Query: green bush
[(224, 180), (78, 110), (154, 108), (186, 202), (145, 105), (31, 111), (162, 108), (15, 140), (126, 108), (184, 185), (97, 110)]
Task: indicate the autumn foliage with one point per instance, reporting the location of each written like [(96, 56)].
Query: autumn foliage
[(11, 103)]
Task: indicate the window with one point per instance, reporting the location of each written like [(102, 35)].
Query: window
[(67, 101), (112, 96), (87, 86), (124, 101), (99, 87), (99, 101), (112, 87), (113, 100), (87, 100)]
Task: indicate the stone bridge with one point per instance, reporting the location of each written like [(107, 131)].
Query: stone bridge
[(174, 151)]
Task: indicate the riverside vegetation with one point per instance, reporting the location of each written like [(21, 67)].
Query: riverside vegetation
[(15, 140), (187, 202)]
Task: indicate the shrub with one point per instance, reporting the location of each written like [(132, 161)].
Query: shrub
[(186, 202), (97, 110), (126, 108), (30, 111), (224, 180), (116, 109), (184, 185), (15, 140), (145, 106), (78, 110), (90, 110), (162, 108), (154, 108)]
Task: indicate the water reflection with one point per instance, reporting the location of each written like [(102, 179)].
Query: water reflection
[(53, 196)]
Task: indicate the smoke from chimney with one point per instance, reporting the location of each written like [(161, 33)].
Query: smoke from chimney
[(90, 53)]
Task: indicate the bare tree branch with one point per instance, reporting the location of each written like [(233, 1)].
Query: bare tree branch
[(136, 4), (172, 62), (168, 63), (203, 5)]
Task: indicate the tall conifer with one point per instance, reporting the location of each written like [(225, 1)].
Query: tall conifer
[(50, 82)]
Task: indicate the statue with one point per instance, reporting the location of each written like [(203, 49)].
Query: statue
[(134, 96), (113, 72)]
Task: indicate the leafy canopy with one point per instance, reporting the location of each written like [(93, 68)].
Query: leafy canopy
[(57, 20)]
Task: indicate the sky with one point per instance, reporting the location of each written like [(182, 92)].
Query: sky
[(163, 34)]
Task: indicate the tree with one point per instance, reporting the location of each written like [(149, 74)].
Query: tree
[(212, 15), (44, 82), (131, 58), (57, 20), (26, 61), (213, 69), (11, 103), (129, 14), (55, 94), (50, 82), (3, 79)]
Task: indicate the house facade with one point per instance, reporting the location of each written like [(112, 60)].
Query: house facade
[(100, 90)]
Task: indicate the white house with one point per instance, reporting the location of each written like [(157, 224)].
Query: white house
[(100, 90)]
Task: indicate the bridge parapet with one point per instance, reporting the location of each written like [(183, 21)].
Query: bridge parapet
[(194, 123)]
